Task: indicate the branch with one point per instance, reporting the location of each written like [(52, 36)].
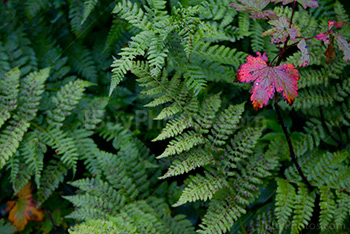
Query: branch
[(52, 222), (291, 150)]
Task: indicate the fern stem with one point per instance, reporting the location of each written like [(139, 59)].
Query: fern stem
[(291, 149)]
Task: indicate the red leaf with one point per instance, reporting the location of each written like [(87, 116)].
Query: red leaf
[(332, 24), (305, 56), (324, 37), (343, 46), (327, 38), (304, 3), (267, 80), (250, 5), (281, 31), (254, 7), (330, 52)]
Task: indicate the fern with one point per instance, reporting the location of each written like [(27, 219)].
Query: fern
[(89, 5), (304, 203)]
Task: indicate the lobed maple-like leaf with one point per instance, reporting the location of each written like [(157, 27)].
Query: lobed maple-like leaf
[(282, 30), (305, 56), (328, 39), (304, 3), (343, 46), (267, 80), (255, 7), (24, 209)]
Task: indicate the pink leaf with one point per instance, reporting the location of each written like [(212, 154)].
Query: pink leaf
[(324, 37), (332, 24), (267, 80), (305, 56), (281, 30), (254, 7), (304, 3), (250, 5), (343, 46)]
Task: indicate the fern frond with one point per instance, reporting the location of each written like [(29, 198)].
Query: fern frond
[(304, 203), (188, 161), (29, 96), (32, 7), (9, 91), (65, 101), (285, 200), (226, 123), (87, 150), (123, 65), (89, 5), (175, 127), (53, 174), (341, 211), (327, 205), (222, 54), (182, 143), (64, 146), (200, 187), (98, 196), (221, 214), (33, 152), (208, 111), (93, 113), (98, 226), (20, 174), (82, 62), (133, 14)]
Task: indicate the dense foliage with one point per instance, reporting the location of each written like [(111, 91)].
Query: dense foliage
[(134, 116)]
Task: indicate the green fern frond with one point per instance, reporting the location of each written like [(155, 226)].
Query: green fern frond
[(133, 14), (82, 61), (285, 200), (341, 211), (123, 65), (226, 123), (98, 226), (327, 205), (221, 214), (64, 146), (175, 127), (200, 187), (188, 161), (9, 90), (304, 203), (52, 176), (98, 195), (93, 112), (20, 174), (222, 54), (29, 96), (182, 143), (32, 151), (87, 150), (65, 101), (32, 7), (207, 112), (89, 5)]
